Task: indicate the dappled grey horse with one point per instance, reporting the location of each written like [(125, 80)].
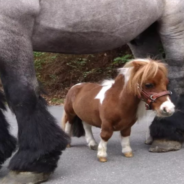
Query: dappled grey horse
[(72, 26)]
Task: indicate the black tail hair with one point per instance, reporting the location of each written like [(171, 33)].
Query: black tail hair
[(77, 127)]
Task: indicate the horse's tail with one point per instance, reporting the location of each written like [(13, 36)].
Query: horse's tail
[(75, 128)]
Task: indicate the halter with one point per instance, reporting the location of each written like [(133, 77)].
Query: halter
[(151, 97)]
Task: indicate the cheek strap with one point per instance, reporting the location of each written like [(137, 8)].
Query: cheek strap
[(151, 97)]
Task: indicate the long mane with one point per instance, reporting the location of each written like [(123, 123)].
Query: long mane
[(140, 70)]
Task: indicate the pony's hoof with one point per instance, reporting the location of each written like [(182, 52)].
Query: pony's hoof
[(68, 145), (102, 159), (128, 155), (93, 147), (148, 142), (24, 178), (164, 146)]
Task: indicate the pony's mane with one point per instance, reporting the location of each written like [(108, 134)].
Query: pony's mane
[(139, 70), (107, 82)]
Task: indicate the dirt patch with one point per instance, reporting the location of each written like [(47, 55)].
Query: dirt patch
[(58, 72)]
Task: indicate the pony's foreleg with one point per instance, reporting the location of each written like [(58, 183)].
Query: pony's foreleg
[(89, 136), (125, 143), (149, 139), (148, 119), (106, 134)]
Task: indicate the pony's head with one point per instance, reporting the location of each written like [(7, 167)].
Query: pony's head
[(148, 80)]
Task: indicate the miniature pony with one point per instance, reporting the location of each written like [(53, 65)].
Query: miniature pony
[(116, 105)]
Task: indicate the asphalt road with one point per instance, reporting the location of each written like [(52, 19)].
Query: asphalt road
[(79, 165)]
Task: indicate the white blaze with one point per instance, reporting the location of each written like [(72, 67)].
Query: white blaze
[(168, 106)]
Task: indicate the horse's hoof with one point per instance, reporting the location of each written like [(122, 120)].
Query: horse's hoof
[(164, 146), (102, 159), (128, 155), (24, 178)]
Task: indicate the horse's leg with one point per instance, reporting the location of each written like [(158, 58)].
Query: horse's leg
[(172, 36), (40, 139), (125, 143), (147, 44), (7, 141), (142, 46), (168, 132), (66, 126), (68, 129), (106, 133), (89, 136)]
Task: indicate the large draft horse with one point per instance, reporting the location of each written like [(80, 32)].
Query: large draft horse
[(72, 26), (116, 105)]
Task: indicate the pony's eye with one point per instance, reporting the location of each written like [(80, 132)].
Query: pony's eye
[(149, 85)]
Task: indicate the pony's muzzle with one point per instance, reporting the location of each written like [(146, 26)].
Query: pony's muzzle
[(167, 108)]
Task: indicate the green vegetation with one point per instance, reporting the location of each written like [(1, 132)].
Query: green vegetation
[(122, 59), (58, 72)]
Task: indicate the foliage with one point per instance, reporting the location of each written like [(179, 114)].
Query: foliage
[(58, 72), (122, 59)]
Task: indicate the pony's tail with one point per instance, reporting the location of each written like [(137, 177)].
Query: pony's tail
[(76, 129)]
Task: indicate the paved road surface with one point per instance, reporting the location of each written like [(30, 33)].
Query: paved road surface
[(79, 165)]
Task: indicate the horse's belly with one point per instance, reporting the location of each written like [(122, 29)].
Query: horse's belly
[(87, 111), (88, 116), (85, 26)]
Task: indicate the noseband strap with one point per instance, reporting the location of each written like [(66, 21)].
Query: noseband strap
[(151, 97)]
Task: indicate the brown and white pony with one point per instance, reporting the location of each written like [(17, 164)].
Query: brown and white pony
[(116, 105)]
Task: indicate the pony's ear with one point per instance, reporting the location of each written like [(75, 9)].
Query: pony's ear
[(137, 65)]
